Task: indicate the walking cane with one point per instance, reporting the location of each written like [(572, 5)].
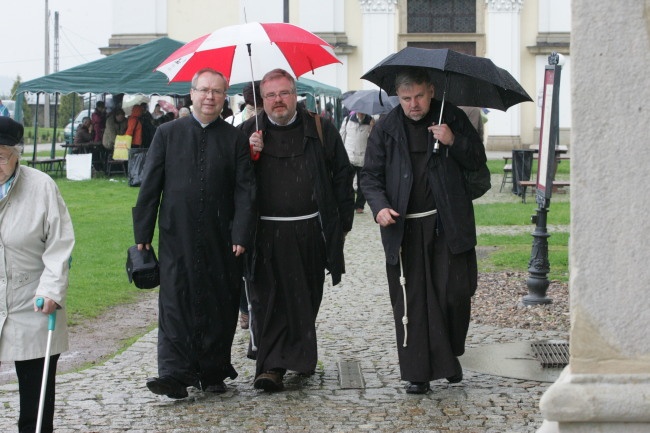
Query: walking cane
[(50, 330), (250, 307)]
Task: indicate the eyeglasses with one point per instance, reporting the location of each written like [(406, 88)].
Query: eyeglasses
[(214, 92), (284, 95), (4, 160)]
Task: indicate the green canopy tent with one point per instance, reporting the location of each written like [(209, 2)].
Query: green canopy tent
[(130, 71)]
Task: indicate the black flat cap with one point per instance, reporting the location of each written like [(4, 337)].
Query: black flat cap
[(11, 132)]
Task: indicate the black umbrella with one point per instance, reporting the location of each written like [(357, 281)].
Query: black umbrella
[(468, 80), (459, 78), (369, 102)]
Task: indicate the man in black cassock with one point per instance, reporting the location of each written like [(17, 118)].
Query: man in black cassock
[(306, 204), (198, 180), (420, 199)]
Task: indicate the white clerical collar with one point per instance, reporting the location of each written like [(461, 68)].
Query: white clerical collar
[(203, 125), (293, 119)]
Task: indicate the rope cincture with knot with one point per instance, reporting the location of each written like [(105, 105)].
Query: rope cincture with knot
[(402, 281)]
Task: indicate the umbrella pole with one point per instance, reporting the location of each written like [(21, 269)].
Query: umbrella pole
[(436, 145), (250, 61)]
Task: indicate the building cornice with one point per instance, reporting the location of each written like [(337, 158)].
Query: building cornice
[(504, 5), (338, 40), (548, 42), (377, 6)]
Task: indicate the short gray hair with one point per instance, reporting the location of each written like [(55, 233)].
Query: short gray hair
[(410, 76), (195, 79), (278, 73), (16, 149)]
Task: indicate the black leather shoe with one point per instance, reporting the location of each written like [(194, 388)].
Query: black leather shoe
[(458, 376), (217, 388), (168, 386), (270, 381), (417, 388)]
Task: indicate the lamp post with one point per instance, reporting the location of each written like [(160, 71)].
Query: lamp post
[(539, 265)]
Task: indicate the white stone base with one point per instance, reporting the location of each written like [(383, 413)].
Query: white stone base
[(590, 403)]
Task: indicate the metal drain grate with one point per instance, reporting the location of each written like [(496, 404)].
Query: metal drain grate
[(551, 354)]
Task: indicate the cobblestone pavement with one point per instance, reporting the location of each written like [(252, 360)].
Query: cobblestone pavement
[(354, 324)]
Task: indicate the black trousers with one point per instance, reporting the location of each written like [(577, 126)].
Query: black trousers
[(30, 377)]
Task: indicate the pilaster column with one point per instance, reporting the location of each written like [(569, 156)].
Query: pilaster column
[(378, 21), (503, 44)]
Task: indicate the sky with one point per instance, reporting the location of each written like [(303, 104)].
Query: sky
[(84, 27)]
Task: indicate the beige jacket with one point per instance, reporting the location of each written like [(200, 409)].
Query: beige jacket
[(36, 241), (355, 140)]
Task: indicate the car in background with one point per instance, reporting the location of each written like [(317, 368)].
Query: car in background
[(68, 135)]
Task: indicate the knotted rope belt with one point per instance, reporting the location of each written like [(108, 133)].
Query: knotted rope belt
[(295, 218), (402, 280)]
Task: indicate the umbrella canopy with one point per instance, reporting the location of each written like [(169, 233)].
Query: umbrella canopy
[(468, 80), (167, 106), (245, 52), (368, 102)]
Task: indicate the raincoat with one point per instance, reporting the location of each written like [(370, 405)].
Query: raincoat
[(36, 241), (199, 183), (435, 253), (355, 138), (134, 126)]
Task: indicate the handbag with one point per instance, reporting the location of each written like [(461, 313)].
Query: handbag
[(478, 181), (137, 159), (142, 267), (122, 146)]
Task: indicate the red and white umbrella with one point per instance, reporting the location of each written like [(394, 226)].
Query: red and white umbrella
[(245, 52)]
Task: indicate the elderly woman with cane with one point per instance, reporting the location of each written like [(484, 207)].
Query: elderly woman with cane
[(36, 241)]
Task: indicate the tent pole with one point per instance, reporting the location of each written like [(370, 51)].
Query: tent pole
[(36, 128), (56, 119)]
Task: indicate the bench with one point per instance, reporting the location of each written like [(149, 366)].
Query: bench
[(557, 158), (507, 175), (532, 183), (48, 165)]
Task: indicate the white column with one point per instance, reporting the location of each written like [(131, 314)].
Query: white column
[(502, 46), (606, 387), (379, 32)]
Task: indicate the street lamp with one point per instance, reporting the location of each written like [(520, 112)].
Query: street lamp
[(538, 265)]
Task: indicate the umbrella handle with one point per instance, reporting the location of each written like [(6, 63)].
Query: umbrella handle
[(51, 323), (436, 145)]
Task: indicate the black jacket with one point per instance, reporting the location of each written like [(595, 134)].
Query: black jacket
[(386, 177), (333, 176)]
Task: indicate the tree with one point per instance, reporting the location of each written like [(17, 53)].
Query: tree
[(27, 110), (66, 111)]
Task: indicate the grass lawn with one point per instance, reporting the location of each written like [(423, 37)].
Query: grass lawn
[(101, 215), (512, 252)]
